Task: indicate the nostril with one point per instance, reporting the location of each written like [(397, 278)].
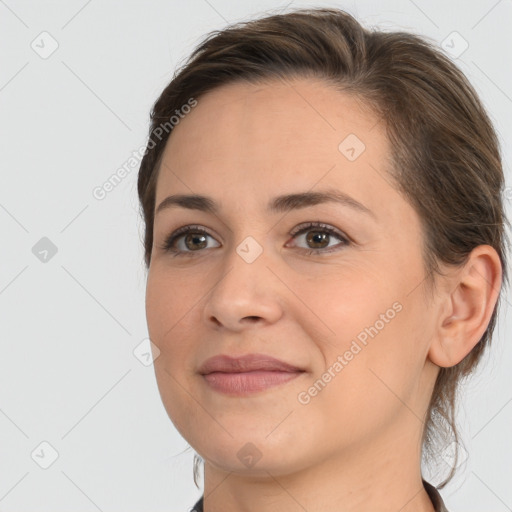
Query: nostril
[(215, 321), (252, 318)]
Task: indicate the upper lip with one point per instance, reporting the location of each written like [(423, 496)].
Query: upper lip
[(246, 363)]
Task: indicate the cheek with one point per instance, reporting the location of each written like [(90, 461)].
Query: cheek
[(169, 300), (391, 361), (376, 327), (374, 379), (170, 312), (345, 300)]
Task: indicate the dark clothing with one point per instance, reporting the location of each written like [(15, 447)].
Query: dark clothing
[(433, 493), (435, 497)]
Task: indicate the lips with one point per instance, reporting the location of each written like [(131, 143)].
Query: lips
[(252, 373), (247, 363)]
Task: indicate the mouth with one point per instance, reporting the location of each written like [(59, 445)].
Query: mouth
[(239, 384), (251, 373)]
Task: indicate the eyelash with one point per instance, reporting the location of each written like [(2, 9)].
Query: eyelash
[(168, 244)]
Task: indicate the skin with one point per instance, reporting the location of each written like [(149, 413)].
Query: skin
[(356, 445)]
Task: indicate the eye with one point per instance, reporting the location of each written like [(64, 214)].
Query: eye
[(318, 237), (188, 240)]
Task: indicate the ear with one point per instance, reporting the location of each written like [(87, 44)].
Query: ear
[(466, 307)]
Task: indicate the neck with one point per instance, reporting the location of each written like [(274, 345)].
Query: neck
[(378, 474)]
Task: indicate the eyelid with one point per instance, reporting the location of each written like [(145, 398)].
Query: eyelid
[(345, 240), (319, 225), (181, 231)]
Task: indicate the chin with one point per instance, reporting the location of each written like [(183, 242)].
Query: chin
[(256, 457), (249, 460)]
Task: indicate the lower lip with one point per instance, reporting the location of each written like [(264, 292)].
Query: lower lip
[(248, 382)]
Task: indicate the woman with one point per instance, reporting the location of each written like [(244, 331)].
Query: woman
[(325, 248)]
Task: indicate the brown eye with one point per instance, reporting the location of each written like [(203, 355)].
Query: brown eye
[(187, 240), (190, 240), (195, 241), (318, 238)]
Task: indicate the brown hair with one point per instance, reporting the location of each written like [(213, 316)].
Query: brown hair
[(446, 157)]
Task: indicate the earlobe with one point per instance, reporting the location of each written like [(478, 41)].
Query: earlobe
[(467, 307)]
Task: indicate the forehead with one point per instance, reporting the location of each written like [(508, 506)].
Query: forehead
[(280, 133)]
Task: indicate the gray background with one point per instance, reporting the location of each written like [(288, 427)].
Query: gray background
[(70, 321)]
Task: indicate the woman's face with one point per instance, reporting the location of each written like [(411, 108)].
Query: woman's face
[(352, 316)]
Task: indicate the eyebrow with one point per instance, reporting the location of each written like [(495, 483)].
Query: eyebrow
[(279, 204)]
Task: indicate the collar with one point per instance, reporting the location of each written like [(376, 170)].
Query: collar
[(434, 495), (432, 491)]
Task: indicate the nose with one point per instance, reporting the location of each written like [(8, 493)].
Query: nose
[(244, 294)]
